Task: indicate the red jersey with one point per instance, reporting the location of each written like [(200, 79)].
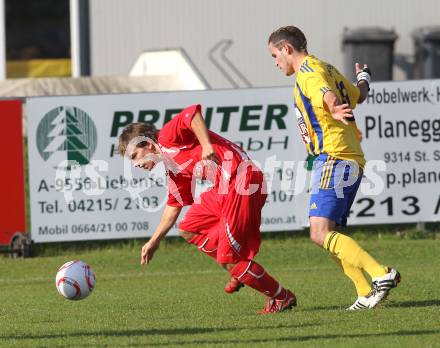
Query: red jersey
[(183, 154)]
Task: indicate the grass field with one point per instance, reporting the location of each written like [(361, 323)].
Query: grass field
[(178, 300)]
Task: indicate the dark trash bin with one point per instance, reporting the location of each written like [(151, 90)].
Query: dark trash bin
[(427, 52), (373, 46)]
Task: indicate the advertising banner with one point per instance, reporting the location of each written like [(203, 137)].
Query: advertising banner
[(80, 188), (400, 123)]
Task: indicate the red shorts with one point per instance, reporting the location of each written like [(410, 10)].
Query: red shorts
[(231, 220)]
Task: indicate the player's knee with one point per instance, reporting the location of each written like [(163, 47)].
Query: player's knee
[(317, 238), (319, 228), (186, 235), (318, 234)]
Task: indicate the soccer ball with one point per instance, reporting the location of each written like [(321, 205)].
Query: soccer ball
[(75, 280)]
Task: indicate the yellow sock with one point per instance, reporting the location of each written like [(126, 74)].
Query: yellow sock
[(356, 275), (347, 250)]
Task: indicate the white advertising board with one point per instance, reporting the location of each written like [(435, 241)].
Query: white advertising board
[(104, 197), (400, 122)]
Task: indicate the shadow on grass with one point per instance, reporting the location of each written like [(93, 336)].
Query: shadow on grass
[(394, 304), (425, 303), (152, 332), (296, 338), (323, 308)]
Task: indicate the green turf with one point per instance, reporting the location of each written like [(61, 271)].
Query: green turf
[(178, 300)]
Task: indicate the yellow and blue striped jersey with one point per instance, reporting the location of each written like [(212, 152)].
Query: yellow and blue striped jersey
[(320, 132)]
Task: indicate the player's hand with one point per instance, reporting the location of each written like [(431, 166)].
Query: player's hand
[(208, 154), (358, 69), (342, 113), (363, 74), (148, 251)]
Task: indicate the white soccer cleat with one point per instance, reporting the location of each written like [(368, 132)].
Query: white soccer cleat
[(381, 289), (363, 302), (383, 285)]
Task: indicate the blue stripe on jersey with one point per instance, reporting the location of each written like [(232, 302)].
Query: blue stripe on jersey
[(312, 117), (306, 63), (311, 146), (305, 68)]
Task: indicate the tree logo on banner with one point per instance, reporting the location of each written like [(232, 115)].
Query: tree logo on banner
[(66, 136)]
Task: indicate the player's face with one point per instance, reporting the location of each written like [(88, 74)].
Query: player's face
[(281, 59), (143, 157)]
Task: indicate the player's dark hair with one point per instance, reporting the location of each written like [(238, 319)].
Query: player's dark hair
[(134, 130), (290, 34)]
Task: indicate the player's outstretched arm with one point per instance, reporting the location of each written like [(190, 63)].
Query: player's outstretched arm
[(363, 76), (200, 130), (168, 219), (340, 112)]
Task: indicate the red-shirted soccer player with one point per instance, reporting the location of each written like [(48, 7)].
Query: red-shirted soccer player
[(224, 222)]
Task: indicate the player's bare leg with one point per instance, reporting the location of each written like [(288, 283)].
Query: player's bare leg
[(319, 228)]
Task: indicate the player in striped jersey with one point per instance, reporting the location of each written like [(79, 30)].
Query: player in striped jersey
[(324, 102)]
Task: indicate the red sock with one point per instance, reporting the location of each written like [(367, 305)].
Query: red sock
[(205, 245), (253, 275)]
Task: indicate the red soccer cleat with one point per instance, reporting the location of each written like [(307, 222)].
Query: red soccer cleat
[(274, 305), (233, 285)]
